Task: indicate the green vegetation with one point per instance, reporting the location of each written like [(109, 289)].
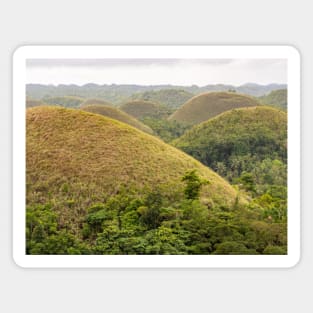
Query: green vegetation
[(201, 108), (172, 98), (165, 129), (142, 109), (117, 115), (65, 101), (276, 98), (248, 147)]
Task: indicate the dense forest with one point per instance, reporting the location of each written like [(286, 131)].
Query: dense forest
[(119, 175)]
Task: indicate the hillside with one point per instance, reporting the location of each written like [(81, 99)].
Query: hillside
[(95, 102), (34, 103), (116, 114), (141, 109), (172, 98), (65, 101), (276, 98), (239, 141), (201, 108)]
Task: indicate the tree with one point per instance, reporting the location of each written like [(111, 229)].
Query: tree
[(193, 185)]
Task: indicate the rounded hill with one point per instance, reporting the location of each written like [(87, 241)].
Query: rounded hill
[(141, 109), (276, 98), (116, 114), (236, 140), (95, 102), (75, 159), (207, 105)]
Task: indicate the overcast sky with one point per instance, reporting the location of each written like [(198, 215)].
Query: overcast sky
[(156, 71)]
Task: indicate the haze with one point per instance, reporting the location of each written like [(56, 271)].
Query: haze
[(183, 72)]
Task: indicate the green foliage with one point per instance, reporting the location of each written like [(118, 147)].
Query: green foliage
[(193, 185), (167, 130)]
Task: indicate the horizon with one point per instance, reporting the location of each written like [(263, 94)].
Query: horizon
[(156, 72)]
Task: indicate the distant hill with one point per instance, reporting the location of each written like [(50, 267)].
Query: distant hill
[(118, 94), (240, 140), (66, 101), (142, 109), (172, 98), (96, 102), (116, 114), (276, 98), (34, 103), (207, 105)]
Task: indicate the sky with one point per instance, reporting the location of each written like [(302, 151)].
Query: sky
[(183, 72)]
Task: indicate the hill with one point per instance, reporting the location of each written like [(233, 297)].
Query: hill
[(172, 98), (201, 108), (276, 98), (65, 101), (141, 109), (95, 185), (34, 103), (241, 140), (116, 114), (95, 102), (98, 186)]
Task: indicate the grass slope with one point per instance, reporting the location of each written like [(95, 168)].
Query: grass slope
[(201, 108), (276, 98), (95, 102), (116, 114), (76, 159), (172, 98), (141, 109)]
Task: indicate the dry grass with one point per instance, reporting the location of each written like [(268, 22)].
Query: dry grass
[(141, 109), (202, 107), (116, 114), (76, 159)]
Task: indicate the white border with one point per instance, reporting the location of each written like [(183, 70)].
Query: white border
[(151, 261)]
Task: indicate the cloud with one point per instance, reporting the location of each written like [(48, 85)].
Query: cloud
[(156, 71)]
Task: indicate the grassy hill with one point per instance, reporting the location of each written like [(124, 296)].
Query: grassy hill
[(34, 103), (116, 114), (141, 109), (276, 98), (66, 101), (201, 108), (172, 98), (239, 141)]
